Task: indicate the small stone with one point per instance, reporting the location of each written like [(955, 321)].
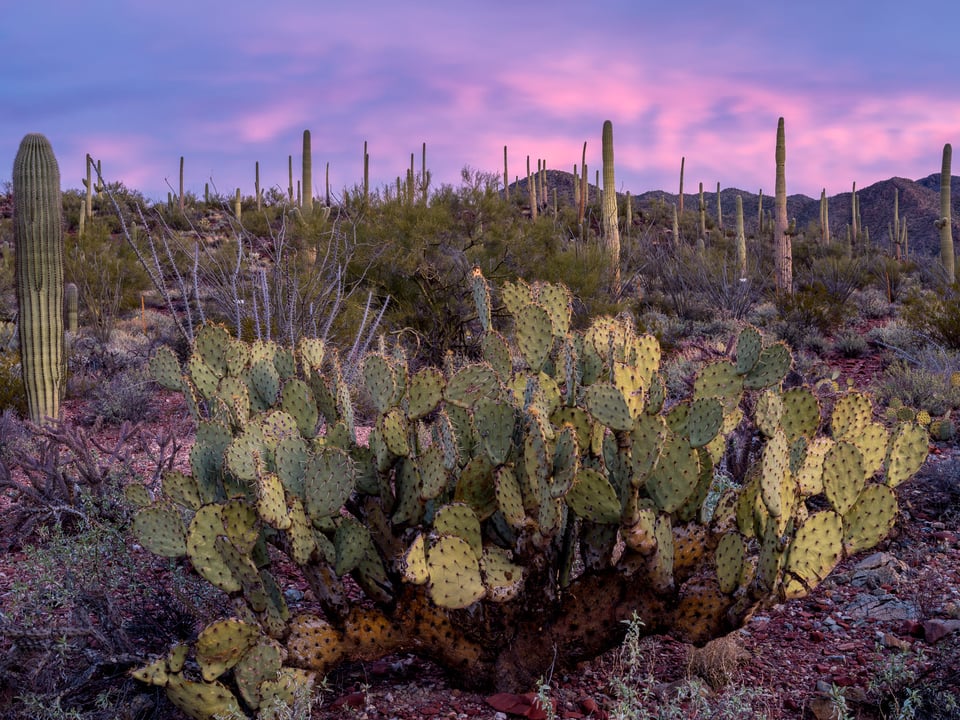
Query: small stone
[(935, 630)]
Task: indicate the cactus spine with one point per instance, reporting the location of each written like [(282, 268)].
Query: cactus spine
[(944, 224), (611, 229), (307, 173), (782, 246), (38, 241)]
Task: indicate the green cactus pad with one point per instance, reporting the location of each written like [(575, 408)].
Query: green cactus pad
[(629, 380), (775, 468), (352, 542), (327, 483), (277, 425), (181, 489), (649, 432), (459, 519), (771, 368), (221, 645), (703, 421), (566, 460), (693, 506), (509, 497), (241, 524), (872, 444), (284, 362), (290, 457), (749, 346), (607, 404), (675, 476), (300, 533), (592, 497), (661, 563), (908, 450), (160, 529), (730, 556), (843, 476), (154, 673), (137, 495), (501, 576), (801, 413), (768, 411), (516, 296), (870, 520), (261, 662), (494, 422), (771, 558), (814, 552), (380, 382), (455, 579), (202, 700), (243, 453), (534, 335), (206, 526), (204, 379), (237, 357), (656, 395), (470, 384), (296, 398), (496, 352), (719, 379), (211, 344), (851, 415), (414, 562), (810, 476), (393, 430), (557, 300), (434, 478), (476, 487), (165, 368), (311, 351), (264, 382), (425, 393)]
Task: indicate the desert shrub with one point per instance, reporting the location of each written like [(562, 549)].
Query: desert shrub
[(871, 303), (850, 344), (935, 313), (917, 387), (124, 397), (896, 335), (810, 307), (12, 393)]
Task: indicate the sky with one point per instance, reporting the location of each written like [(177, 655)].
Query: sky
[(868, 89)]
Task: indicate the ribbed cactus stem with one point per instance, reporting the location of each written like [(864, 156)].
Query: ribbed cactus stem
[(424, 175), (582, 208), (760, 213), (326, 194), (824, 217), (506, 176), (945, 222), (682, 161), (180, 200), (38, 242), (531, 191), (782, 245), (611, 227), (237, 206), (89, 186), (366, 173), (290, 178), (676, 228), (256, 185), (628, 221), (719, 210), (741, 241), (701, 218), (71, 307), (307, 186)]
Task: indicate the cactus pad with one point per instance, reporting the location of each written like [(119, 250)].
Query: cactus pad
[(843, 476), (870, 519), (908, 450), (455, 580), (814, 552), (730, 555), (221, 645), (202, 700), (161, 530), (592, 497), (675, 475), (607, 404)]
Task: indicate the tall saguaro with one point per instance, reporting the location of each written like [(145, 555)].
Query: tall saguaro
[(38, 243), (307, 189), (611, 221), (782, 246), (945, 222)]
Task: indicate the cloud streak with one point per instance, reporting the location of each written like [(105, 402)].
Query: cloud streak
[(147, 83)]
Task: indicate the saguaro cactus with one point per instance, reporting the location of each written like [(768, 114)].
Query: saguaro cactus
[(682, 161), (944, 224), (38, 239), (71, 299), (782, 245), (741, 242), (611, 229), (506, 176), (307, 173)]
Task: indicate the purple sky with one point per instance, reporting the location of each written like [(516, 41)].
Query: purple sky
[(867, 89)]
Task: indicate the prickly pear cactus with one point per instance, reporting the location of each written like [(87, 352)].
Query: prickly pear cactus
[(526, 501)]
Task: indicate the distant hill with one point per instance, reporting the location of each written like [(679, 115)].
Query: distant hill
[(919, 202)]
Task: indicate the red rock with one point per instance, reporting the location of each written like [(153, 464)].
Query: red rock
[(588, 705), (935, 630), (430, 710), (816, 636), (354, 700)]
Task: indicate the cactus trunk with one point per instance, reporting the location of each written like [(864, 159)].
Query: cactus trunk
[(307, 173), (741, 241), (782, 246), (611, 227), (38, 238), (945, 221)]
